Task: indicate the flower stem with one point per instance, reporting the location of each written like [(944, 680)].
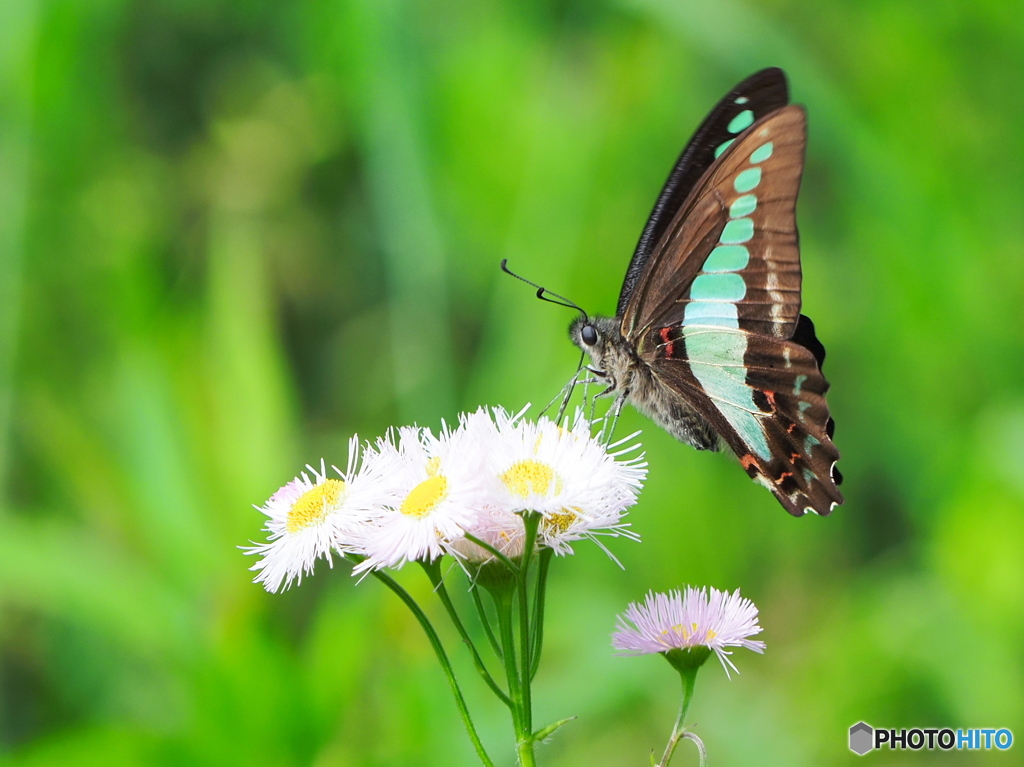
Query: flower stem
[(544, 561), (525, 752), (531, 521), (504, 595), (442, 657), (433, 571), (689, 677), (486, 621)]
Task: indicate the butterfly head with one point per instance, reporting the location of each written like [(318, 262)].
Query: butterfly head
[(601, 339), (584, 333)]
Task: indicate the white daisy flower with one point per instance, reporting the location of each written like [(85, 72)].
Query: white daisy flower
[(310, 516), (577, 485), (683, 621), (435, 487)]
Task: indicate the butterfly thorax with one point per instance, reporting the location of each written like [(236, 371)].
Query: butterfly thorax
[(615, 363)]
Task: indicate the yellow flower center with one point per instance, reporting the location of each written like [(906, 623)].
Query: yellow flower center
[(313, 505), (561, 521), (425, 497), (686, 634), (524, 478)]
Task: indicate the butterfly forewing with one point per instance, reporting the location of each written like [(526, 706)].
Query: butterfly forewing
[(731, 255), (757, 96)]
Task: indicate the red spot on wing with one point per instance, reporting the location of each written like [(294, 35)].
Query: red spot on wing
[(669, 344), (771, 398), (749, 464), (782, 477)]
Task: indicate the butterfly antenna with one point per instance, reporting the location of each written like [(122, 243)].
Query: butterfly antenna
[(543, 293)]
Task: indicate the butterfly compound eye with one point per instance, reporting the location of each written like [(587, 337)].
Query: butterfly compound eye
[(589, 335)]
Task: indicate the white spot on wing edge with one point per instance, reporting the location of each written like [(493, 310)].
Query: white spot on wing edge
[(772, 286)]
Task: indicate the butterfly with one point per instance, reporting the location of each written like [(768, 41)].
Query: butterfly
[(708, 339)]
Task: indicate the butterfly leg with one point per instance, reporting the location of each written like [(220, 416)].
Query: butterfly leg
[(605, 378), (564, 394), (612, 417)]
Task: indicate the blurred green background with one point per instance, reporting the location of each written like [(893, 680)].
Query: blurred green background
[(233, 233)]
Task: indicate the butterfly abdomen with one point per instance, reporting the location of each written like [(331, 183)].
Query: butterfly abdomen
[(667, 409)]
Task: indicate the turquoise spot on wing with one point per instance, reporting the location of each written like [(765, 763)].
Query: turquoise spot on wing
[(808, 475), (743, 206), (719, 313), (725, 286), (737, 230), (747, 180), (723, 146), (742, 100), (762, 153), (797, 384), (803, 405), (810, 442), (716, 360), (727, 258), (741, 122)]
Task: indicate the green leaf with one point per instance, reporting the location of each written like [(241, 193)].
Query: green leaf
[(546, 732)]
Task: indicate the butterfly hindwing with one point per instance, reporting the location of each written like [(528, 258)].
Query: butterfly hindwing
[(757, 96), (766, 398)]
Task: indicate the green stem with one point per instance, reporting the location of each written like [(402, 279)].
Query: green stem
[(503, 598), (689, 676), (433, 571), (482, 611), (442, 657), (531, 521), (503, 605), (525, 751), (538, 608)]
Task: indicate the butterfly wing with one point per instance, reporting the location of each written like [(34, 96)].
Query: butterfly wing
[(757, 96), (731, 253), (766, 398), (716, 314)]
